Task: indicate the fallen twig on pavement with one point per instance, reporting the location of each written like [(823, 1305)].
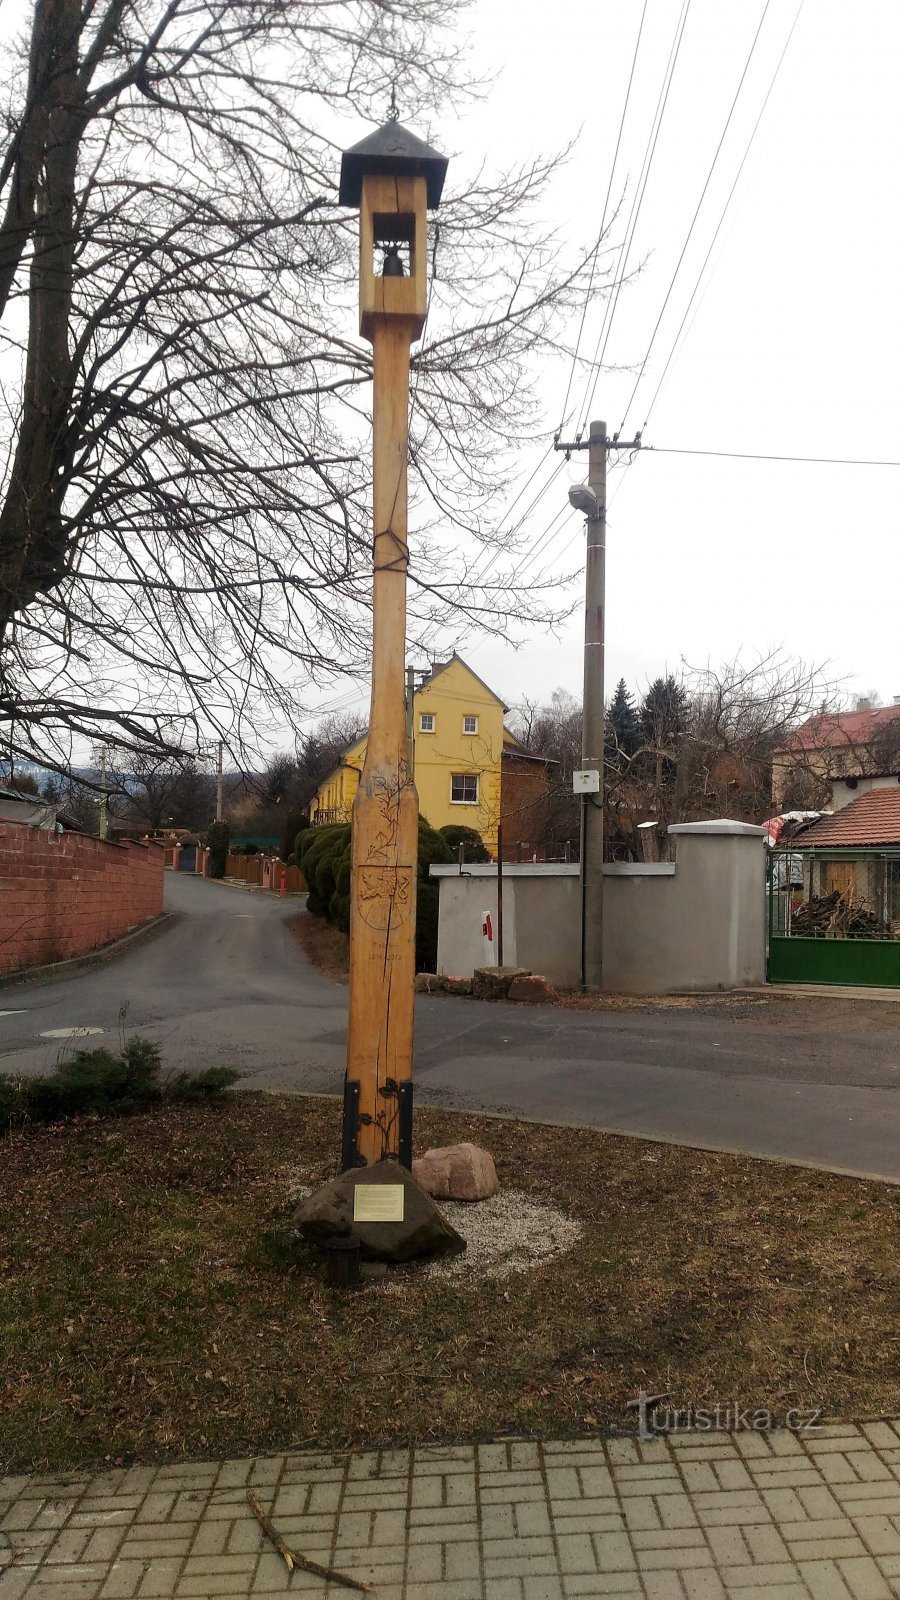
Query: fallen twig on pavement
[(293, 1558)]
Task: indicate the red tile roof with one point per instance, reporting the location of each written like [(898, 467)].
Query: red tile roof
[(835, 731), (872, 819)]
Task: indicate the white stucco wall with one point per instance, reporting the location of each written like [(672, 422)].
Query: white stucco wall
[(842, 793), (695, 923)]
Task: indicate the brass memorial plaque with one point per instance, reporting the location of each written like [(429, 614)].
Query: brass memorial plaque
[(378, 1202)]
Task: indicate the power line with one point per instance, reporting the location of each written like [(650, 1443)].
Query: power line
[(625, 250), (494, 557), (612, 172), (696, 213), (715, 236), (753, 455)]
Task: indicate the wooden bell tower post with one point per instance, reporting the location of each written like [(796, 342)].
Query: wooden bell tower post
[(393, 178)]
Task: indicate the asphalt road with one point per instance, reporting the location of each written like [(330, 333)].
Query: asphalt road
[(808, 1080)]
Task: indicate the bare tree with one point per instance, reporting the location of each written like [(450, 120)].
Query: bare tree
[(708, 750), (184, 491), (554, 730), (150, 792)]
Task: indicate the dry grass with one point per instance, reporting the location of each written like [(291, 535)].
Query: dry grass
[(326, 946), (141, 1315)]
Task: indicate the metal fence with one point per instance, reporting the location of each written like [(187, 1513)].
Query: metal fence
[(834, 916)]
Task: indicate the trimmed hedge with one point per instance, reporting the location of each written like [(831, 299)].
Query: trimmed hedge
[(323, 856)]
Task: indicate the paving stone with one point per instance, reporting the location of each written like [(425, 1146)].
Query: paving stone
[(640, 1512), (824, 1581), (783, 1442), (614, 1553), (582, 1523), (837, 1468), (596, 1482), (701, 1585), (564, 1483), (123, 1580), (665, 1539), (880, 1434), (800, 1478), (729, 1547), (818, 1502), (532, 1519), (653, 1560), (858, 1496), (777, 1591), (699, 1476), (451, 1489), (762, 1575), (664, 1586), (754, 1445), (526, 1479), (863, 1579), (881, 1534), (868, 1466), (547, 1588), (827, 1528), (676, 1511), (518, 1493), (576, 1552), (619, 1583)]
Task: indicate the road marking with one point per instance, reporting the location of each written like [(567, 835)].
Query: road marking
[(67, 1033), (20, 1013)]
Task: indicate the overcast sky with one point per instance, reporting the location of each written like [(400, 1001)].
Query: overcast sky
[(791, 347)]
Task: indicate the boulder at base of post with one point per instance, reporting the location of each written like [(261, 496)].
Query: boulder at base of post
[(457, 1172), (328, 1213)]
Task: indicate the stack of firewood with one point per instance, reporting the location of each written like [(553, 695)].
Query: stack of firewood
[(838, 916)]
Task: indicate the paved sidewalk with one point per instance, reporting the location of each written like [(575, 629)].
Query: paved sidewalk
[(694, 1517)]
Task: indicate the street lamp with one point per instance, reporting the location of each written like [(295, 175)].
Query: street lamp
[(393, 177), (582, 498)]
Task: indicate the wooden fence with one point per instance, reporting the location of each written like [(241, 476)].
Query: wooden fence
[(261, 872)]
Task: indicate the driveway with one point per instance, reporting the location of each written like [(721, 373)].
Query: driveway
[(813, 1080)]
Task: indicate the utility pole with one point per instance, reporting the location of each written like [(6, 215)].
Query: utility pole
[(592, 501), (219, 780), (393, 177)]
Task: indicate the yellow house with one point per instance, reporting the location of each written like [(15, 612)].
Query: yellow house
[(458, 739)]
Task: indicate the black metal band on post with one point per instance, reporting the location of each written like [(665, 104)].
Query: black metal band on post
[(405, 1117), (350, 1127)]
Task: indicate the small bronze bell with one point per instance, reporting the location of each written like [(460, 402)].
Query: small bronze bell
[(393, 265)]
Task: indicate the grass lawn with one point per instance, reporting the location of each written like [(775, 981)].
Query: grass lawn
[(141, 1315)]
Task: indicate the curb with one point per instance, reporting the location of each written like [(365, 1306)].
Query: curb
[(91, 958), (610, 1133)]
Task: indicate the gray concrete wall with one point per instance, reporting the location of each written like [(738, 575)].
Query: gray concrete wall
[(695, 923)]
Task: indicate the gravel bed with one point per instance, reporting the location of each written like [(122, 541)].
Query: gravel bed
[(507, 1234)]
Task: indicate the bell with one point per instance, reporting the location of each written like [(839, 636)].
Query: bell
[(393, 266)]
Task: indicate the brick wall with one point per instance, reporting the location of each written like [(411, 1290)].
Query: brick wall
[(524, 792), (63, 894)]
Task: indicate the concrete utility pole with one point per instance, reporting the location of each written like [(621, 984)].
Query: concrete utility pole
[(219, 781), (393, 177), (593, 720), (592, 501)]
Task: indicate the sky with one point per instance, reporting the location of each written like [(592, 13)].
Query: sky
[(791, 346)]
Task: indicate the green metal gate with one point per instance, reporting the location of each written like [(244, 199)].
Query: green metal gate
[(834, 917)]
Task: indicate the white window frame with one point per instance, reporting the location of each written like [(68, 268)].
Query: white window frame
[(427, 717), (462, 778), (469, 716)]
